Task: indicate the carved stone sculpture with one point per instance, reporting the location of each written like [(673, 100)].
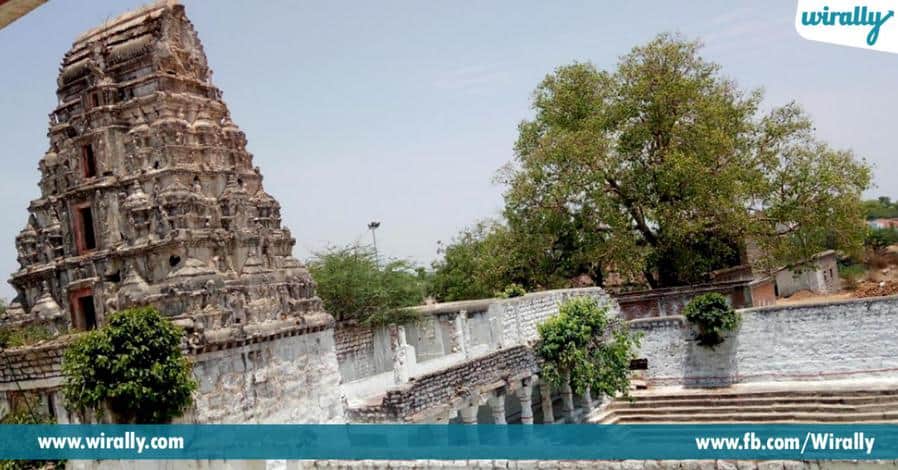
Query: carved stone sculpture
[(149, 196)]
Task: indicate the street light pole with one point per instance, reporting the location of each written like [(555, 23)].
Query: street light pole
[(373, 226)]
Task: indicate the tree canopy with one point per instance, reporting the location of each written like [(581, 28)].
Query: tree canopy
[(664, 169)]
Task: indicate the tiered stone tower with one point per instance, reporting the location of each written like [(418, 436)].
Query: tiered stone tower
[(149, 197)]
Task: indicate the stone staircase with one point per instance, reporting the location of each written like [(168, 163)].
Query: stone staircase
[(800, 404)]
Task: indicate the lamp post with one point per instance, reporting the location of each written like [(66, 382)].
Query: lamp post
[(373, 226)]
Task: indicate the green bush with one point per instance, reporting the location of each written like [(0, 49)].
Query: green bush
[(355, 286), (851, 274), (879, 238), (511, 291), (713, 316), (30, 334), (133, 366), (585, 344)]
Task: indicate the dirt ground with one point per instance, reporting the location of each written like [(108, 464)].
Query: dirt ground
[(877, 282), (808, 297)]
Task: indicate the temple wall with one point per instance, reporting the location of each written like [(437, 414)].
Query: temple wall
[(294, 379), (854, 338), (290, 379)]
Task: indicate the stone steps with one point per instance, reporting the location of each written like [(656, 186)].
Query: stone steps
[(752, 401), (785, 408), (739, 405), (690, 394), (761, 417)]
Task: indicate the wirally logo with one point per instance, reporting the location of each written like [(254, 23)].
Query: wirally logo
[(870, 24)]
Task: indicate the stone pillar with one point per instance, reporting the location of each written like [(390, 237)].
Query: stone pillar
[(497, 406), (398, 347), (567, 400), (587, 401), (545, 392), (469, 413), (525, 394), (460, 335)]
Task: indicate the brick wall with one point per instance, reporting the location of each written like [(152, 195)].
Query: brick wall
[(39, 362), (355, 350)]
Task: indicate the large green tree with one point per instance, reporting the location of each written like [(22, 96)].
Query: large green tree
[(664, 167), (475, 264)]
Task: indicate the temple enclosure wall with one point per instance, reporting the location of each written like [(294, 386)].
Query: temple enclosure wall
[(289, 379), (853, 338)]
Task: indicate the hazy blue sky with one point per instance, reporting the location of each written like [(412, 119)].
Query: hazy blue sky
[(403, 111)]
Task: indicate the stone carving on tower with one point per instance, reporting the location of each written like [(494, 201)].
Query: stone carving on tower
[(149, 197)]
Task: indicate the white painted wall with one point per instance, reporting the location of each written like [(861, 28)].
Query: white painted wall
[(855, 338)]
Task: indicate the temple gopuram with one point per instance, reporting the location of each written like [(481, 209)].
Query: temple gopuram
[(150, 197)]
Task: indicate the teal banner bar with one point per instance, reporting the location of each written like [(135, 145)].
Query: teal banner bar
[(450, 442)]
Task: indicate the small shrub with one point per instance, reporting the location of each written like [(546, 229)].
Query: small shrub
[(399, 316), (880, 238), (511, 291), (133, 366), (851, 274), (587, 346), (713, 316), (355, 285), (30, 334)]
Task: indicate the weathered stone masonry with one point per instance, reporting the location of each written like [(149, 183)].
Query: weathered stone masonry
[(446, 388), (149, 197), (459, 356), (854, 338)]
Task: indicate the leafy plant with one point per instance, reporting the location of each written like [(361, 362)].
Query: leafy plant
[(133, 366), (880, 238), (713, 316), (512, 290), (355, 286), (851, 274), (589, 347), (11, 337)]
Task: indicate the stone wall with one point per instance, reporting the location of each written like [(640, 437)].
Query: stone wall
[(291, 378), (854, 338), (294, 379), (741, 293), (38, 363), (444, 387), (355, 350), (465, 329), (520, 316)]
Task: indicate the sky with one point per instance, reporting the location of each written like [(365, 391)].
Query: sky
[(403, 111)]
